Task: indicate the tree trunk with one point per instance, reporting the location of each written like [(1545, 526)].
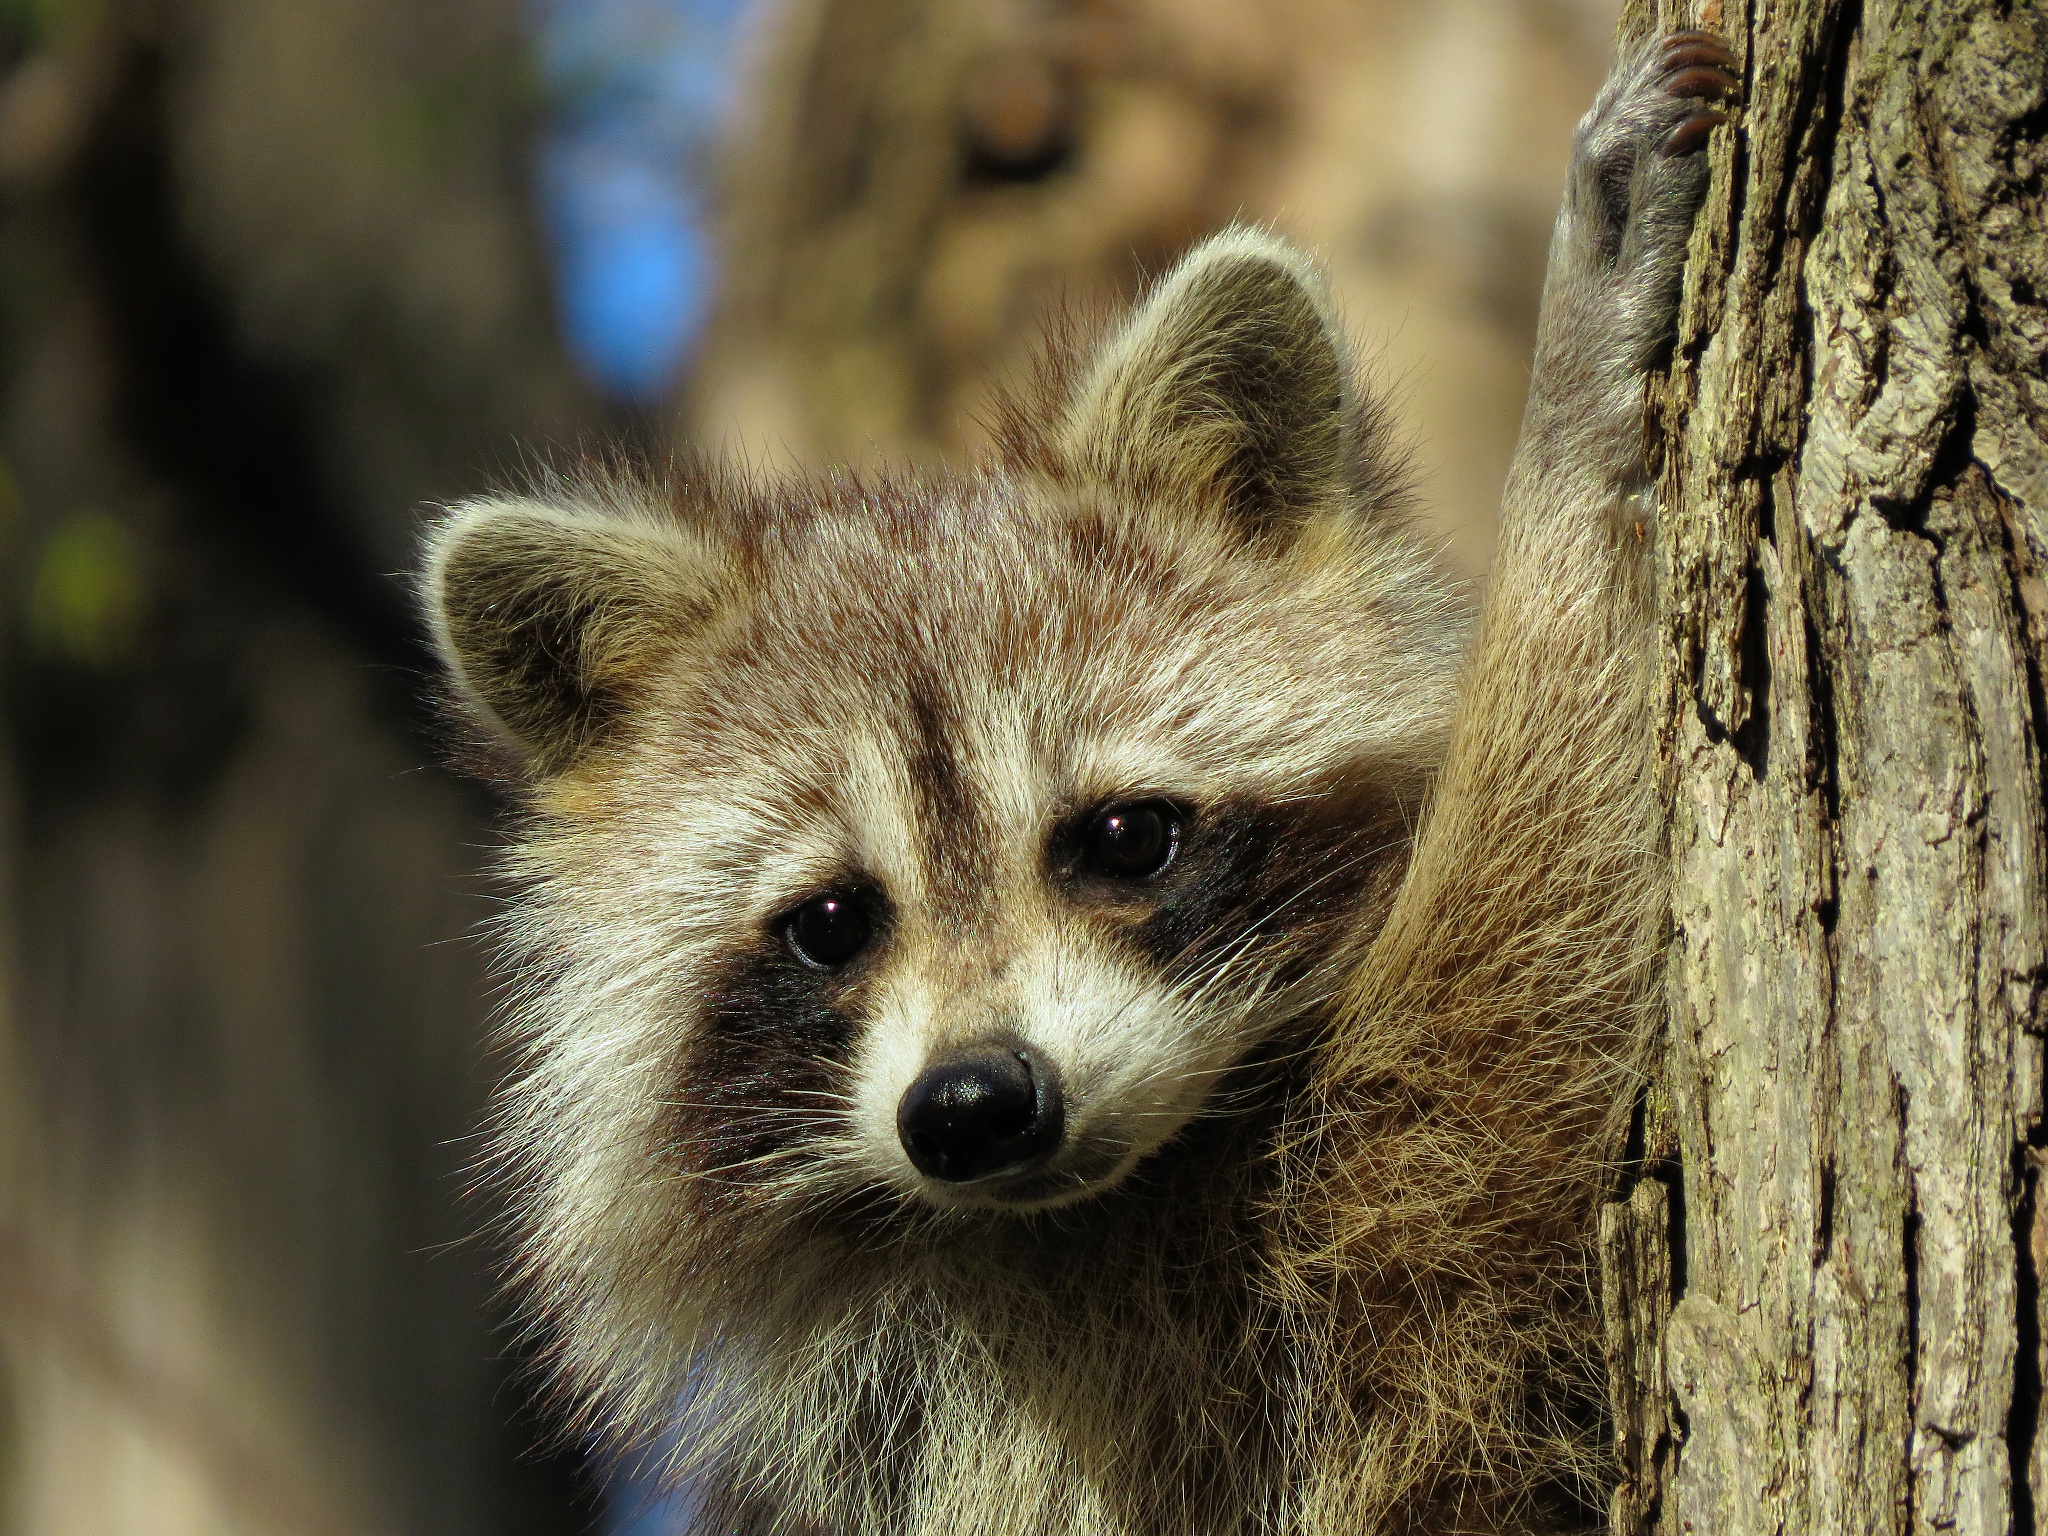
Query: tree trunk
[(1822, 1291)]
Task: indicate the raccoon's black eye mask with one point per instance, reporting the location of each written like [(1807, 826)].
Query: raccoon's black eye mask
[(1123, 841)]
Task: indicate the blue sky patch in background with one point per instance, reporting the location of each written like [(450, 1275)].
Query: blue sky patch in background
[(637, 91)]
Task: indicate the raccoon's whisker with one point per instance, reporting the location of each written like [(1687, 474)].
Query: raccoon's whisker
[(785, 1113), (1220, 972), (829, 1095), (1251, 932), (724, 1177)]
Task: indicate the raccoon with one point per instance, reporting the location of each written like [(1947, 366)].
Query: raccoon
[(1076, 997)]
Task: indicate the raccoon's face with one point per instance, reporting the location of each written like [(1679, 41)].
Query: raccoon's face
[(957, 838)]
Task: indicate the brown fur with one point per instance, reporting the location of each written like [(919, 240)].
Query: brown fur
[(1339, 1080)]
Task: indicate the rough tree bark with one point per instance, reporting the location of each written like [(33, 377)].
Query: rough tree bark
[(1823, 1287)]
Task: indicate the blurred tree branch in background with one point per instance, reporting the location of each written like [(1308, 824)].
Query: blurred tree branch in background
[(917, 186), (268, 281)]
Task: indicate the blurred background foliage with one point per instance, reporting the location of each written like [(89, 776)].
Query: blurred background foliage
[(277, 276)]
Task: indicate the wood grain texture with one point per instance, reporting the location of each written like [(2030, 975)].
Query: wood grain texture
[(1855, 504)]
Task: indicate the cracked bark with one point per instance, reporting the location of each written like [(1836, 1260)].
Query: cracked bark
[(1822, 1291)]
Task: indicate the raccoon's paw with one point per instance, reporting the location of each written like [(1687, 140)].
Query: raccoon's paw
[(1638, 173)]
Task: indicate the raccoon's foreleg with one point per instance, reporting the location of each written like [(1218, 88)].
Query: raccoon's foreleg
[(1517, 911), (1482, 1056), (1610, 298)]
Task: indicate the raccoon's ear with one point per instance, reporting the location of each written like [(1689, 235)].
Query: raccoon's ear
[(1229, 387), (549, 618)]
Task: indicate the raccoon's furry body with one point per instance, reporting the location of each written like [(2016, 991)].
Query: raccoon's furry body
[(1063, 1000)]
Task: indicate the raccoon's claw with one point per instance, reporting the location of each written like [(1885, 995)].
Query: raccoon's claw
[(1697, 65), (1650, 101), (1701, 80), (1633, 148), (1637, 179), (1692, 133), (1688, 50)]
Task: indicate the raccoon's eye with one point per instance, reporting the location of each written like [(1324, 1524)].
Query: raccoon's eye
[(829, 930), (1131, 841)]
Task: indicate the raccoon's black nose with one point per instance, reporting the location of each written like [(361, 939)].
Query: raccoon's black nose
[(985, 1112)]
